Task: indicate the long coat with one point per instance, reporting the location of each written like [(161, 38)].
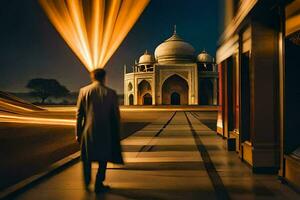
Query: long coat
[(98, 124)]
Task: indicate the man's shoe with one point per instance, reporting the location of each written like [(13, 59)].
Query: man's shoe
[(87, 184), (87, 187), (101, 188)]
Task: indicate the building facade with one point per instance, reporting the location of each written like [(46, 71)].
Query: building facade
[(174, 75), (258, 60)]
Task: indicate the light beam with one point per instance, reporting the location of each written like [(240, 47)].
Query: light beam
[(93, 29), (36, 120)]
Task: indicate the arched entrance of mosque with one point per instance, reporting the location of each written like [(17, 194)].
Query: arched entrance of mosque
[(147, 99), (131, 99), (175, 91), (175, 98), (144, 88)]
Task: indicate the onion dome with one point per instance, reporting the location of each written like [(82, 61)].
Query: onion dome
[(146, 59), (204, 57), (174, 50)]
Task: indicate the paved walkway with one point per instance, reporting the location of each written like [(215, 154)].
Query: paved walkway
[(175, 157)]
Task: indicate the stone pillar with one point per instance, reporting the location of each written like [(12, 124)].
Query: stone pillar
[(153, 92), (196, 85), (125, 88), (135, 99), (215, 91), (220, 97), (262, 151)]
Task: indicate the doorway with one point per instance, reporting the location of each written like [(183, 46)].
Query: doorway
[(175, 98), (245, 98), (175, 91), (292, 94), (131, 99), (147, 99), (144, 93)]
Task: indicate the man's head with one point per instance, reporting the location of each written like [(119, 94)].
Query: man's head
[(98, 75)]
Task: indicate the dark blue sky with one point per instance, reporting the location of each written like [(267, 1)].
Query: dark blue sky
[(31, 48)]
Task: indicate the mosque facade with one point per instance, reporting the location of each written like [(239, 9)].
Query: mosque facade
[(174, 75)]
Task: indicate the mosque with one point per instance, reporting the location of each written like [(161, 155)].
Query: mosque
[(174, 75)]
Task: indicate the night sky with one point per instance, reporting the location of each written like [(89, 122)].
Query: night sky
[(31, 48)]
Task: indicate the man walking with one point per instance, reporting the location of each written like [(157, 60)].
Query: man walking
[(98, 127)]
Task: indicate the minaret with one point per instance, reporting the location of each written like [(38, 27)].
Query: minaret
[(135, 66), (175, 29), (125, 68)]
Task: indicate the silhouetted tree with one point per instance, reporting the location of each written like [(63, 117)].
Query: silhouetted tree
[(45, 88)]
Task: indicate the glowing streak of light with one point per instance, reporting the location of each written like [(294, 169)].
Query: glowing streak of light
[(36, 120), (141, 108), (93, 29), (14, 106), (60, 109)]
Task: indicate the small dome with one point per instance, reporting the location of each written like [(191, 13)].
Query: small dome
[(147, 58), (175, 49), (204, 57)]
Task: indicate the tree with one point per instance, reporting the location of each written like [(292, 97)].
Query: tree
[(45, 88)]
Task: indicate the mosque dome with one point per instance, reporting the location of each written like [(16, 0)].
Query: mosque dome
[(175, 49), (204, 57), (146, 58)]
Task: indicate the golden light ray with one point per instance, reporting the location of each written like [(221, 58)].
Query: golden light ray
[(93, 29), (124, 24), (36, 120), (113, 9)]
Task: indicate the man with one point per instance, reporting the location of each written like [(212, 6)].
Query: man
[(98, 126)]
